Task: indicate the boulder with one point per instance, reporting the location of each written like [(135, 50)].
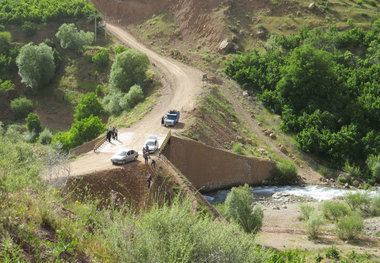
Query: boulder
[(226, 46), (272, 136), (283, 149), (245, 93), (312, 5)]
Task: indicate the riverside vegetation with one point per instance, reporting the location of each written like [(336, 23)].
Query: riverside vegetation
[(325, 86)]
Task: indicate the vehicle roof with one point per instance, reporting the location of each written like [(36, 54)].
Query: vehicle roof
[(123, 150), (154, 137)]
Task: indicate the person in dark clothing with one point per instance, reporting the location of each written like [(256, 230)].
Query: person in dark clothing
[(162, 120), (153, 164), (108, 136), (116, 133), (149, 180)]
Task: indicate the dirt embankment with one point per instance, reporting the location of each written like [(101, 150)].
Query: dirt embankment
[(195, 18)]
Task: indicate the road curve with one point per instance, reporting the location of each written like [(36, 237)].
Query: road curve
[(181, 85)]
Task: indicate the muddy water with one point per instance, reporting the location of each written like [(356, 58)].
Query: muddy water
[(316, 192)]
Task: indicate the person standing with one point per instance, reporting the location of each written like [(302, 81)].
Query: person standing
[(149, 180), (145, 155), (108, 136), (153, 164), (162, 120)]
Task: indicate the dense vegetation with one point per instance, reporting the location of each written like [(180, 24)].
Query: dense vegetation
[(325, 85), (42, 11)]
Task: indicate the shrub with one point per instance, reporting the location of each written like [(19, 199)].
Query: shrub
[(134, 96), (33, 123), (29, 28), (239, 208), (373, 164), (332, 253), (99, 90), (284, 173), (313, 224), (36, 65), (306, 211), (352, 170), (112, 103), (334, 210), (237, 148), (21, 107), (350, 226), (30, 136), (71, 37), (101, 59), (375, 205), (357, 200), (45, 136), (88, 105), (120, 49)]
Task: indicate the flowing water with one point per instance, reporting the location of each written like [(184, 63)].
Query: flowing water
[(316, 192)]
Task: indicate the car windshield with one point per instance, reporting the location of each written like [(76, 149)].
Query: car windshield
[(172, 117), (151, 143), (123, 153)]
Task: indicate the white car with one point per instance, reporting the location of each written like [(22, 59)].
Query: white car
[(124, 156), (151, 145)]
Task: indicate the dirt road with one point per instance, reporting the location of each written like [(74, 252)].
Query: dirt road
[(181, 86)]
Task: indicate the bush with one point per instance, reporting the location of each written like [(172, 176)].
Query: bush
[(45, 136), (375, 205), (87, 106), (357, 200), (71, 37), (29, 28), (332, 253), (237, 148), (239, 208), (352, 170), (21, 107), (313, 224), (284, 173), (373, 164), (334, 210), (350, 226), (120, 49), (36, 65), (101, 59), (134, 95), (306, 211), (112, 103), (30, 136), (33, 123)]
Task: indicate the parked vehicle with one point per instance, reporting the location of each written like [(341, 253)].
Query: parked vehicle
[(124, 156), (151, 144), (172, 117)]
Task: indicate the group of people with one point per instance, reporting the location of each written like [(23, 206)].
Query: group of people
[(111, 133)]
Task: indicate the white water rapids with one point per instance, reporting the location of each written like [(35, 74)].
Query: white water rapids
[(316, 192)]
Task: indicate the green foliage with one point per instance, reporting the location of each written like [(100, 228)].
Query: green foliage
[(129, 68), (71, 38), (352, 170), (101, 59), (335, 210), (306, 211), (99, 90), (46, 136), (6, 85), (42, 11), (373, 164), (81, 131), (237, 148), (120, 49), (18, 162), (332, 253), (357, 200), (36, 65), (284, 173), (350, 226), (33, 123), (87, 106), (112, 101), (327, 95), (375, 205), (313, 224), (239, 207), (133, 97), (8, 54), (21, 107), (29, 28)]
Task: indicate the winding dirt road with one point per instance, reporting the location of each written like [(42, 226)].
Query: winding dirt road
[(181, 86)]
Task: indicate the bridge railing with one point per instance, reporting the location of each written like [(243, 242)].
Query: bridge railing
[(98, 144), (165, 142)]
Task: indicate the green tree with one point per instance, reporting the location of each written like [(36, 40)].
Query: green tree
[(239, 206), (36, 65), (88, 105), (71, 38), (101, 59), (128, 69), (134, 96), (33, 123)]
